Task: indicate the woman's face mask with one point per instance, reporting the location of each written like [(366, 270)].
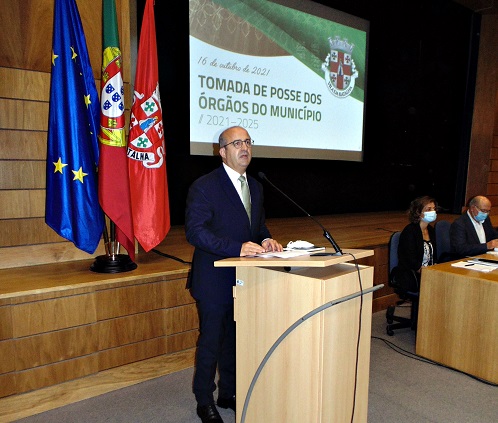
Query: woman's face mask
[(429, 216)]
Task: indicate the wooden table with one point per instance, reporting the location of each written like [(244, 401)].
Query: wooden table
[(458, 319)]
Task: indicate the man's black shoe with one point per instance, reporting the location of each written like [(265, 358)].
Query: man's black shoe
[(227, 403), (209, 414)]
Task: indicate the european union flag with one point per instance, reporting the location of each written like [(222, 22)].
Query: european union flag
[(72, 206)]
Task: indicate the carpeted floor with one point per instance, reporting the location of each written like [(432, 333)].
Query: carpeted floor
[(402, 390)]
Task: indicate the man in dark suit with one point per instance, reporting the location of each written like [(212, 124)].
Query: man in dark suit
[(218, 225), (472, 233)]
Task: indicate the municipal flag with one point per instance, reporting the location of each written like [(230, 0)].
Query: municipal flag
[(146, 145)]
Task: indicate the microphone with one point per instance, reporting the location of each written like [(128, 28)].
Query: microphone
[(326, 233)]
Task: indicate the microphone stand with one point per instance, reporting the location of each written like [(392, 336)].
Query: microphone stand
[(326, 233)]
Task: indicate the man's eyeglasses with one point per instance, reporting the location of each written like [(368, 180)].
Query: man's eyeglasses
[(484, 211), (238, 143)]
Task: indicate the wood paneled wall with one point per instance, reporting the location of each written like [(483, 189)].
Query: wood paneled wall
[(488, 64), (482, 175), (25, 67)]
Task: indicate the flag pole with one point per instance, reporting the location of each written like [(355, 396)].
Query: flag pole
[(113, 238), (106, 240), (112, 261)]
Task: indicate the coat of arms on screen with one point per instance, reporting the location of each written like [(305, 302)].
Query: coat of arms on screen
[(339, 68)]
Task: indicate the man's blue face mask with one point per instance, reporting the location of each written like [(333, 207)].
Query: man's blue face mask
[(481, 216)]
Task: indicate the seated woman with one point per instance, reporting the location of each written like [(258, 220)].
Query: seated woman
[(417, 244)]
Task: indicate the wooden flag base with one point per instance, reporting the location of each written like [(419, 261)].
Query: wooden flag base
[(113, 264)]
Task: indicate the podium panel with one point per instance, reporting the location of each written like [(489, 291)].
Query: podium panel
[(310, 375)]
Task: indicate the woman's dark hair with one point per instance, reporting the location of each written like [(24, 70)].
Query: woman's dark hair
[(416, 207)]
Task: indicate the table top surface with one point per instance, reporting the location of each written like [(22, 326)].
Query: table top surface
[(465, 271)]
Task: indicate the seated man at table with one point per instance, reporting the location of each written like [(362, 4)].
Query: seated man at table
[(472, 233)]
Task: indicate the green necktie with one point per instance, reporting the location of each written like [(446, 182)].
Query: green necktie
[(246, 198)]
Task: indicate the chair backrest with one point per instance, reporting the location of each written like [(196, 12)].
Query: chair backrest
[(393, 250), (442, 228)]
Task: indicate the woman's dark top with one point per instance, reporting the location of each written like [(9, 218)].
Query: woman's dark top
[(411, 256)]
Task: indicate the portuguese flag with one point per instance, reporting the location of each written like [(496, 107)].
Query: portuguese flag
[(114, 190)]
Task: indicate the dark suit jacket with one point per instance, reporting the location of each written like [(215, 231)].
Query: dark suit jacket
[(463, 237), (217, 225)]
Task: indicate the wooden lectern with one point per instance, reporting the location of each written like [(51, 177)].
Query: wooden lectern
[(312, 375)]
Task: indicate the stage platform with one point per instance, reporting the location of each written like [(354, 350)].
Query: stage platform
[(63, 322)]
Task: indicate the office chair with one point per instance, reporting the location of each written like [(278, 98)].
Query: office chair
[(442, 228), (404, 295)]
